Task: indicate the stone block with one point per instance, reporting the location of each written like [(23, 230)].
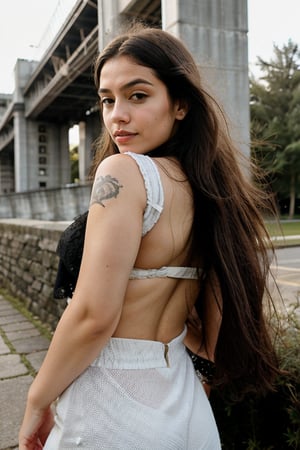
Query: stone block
[(15, 317), (37, 285), (13, 393), (3, 347), (21, 334), (11, 366), (36, 359), (29, 345), (17, 326)]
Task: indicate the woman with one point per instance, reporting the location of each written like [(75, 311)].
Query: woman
[(173, 234)]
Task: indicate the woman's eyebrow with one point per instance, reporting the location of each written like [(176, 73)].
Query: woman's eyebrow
[(127, 85)]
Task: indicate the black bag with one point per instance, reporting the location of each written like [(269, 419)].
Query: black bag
[(69, 250)]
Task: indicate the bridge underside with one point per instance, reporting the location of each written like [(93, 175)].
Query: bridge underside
[(62, 86), (58, 91)]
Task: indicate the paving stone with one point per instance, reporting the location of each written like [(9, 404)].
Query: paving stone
[(32, 344), (21, 334), (3, 347), (4, 302), (13, 393), (25, 325), (36, 359), (5, 308), (13, 318), (8, 311), (11, 366)]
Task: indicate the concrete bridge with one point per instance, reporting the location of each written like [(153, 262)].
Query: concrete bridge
[(53, 94)]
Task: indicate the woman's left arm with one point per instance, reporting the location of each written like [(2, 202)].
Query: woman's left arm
[(112, 241)]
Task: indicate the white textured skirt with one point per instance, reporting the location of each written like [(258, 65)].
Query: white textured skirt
[(137, 395)]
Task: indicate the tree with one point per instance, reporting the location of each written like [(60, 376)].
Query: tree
[(74, 163), (275, 121)]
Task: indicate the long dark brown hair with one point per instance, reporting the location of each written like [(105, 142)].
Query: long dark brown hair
[(228, 236)]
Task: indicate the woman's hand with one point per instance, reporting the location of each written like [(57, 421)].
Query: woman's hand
[(35, 428)]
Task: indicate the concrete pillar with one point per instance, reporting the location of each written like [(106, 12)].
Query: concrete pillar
[(57, 158), (84, 151), (64, 156), (215, 31), (108, 20), (88, 133), (21, 159)]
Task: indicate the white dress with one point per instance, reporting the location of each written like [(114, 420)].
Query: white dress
[(138, 394)]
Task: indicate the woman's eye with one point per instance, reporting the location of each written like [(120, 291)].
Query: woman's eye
[(138, 96), (106, 101)]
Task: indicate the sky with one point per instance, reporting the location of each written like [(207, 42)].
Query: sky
[(25, 31)]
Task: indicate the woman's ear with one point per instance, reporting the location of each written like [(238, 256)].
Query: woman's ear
[(181, 109)]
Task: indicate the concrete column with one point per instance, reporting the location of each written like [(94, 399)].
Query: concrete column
[(84, 151), (22, 72), (108, 20), (215, 31), (88, 133), (21, 159), (64, 155)]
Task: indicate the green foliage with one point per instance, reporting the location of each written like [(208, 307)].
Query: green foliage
[(74, 163), (271, 422), (275, 120)]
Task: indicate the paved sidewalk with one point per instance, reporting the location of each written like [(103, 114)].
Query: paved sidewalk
[(22, 350)]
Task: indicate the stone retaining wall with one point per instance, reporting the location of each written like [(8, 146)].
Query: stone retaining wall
[(63, 203), (28, 264)]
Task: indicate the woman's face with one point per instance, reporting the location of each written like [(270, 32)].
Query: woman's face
[(137, 110)]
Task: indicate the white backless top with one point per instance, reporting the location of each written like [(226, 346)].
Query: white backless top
[(154, 208)]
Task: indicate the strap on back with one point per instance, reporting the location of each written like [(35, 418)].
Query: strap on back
[(187, 273), (154, 207), (154, 190)]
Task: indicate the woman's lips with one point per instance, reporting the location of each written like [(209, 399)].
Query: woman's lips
[(122, 137)]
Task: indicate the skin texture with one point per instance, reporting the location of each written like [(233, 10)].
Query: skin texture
[(105, 303), (134, 104)]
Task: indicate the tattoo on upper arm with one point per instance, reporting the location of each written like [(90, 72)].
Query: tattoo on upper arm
[(105, 188)]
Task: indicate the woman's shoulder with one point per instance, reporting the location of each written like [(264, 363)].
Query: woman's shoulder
[(135, 168), (118, 161), (121, 171), (121, 166)]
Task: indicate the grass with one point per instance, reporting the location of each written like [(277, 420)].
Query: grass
[(282, 231), (290, 228), (284, 228)]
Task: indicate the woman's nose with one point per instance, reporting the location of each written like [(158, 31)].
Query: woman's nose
[(120, 112)]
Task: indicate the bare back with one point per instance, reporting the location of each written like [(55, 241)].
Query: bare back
[(157, 308)]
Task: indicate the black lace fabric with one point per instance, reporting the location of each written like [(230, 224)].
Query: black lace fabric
[(69, 250), (204, 368)]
